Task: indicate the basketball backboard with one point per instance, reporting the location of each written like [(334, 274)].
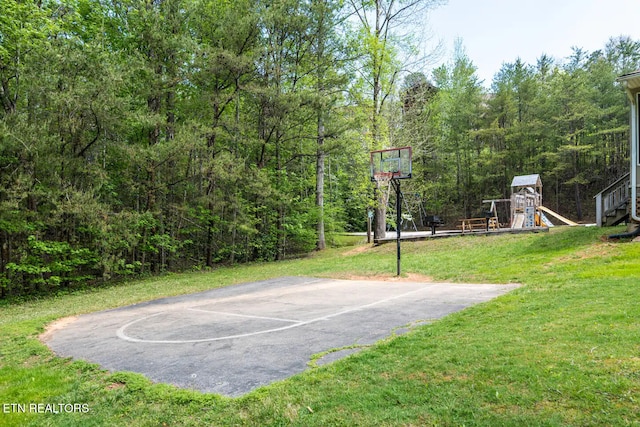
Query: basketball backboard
[(393, 163)]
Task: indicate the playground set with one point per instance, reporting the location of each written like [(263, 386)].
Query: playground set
[(525, 206), (522, 211), (389, 167)]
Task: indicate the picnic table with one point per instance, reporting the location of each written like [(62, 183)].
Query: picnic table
[(471, 224)]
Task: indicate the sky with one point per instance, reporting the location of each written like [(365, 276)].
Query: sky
[(494, 32)]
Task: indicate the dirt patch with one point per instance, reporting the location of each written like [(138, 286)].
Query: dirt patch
[(409, 277), (115, 386), (594, 251), (357, 250), (55, 326)]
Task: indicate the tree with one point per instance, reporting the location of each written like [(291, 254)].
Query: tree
[(513, 137), (380, 23), (223, 72), (460, 102), (24, 28), (329, 53)]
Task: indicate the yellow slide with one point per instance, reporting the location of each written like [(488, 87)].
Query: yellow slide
[(557, 215)]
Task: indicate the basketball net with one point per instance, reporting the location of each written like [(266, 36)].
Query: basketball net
[(383, 179)]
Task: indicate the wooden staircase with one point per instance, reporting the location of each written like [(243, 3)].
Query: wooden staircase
[(612, 203)]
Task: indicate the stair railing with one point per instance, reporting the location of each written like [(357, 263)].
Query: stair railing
[(612, 198)]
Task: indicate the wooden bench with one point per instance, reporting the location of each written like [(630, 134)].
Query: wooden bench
[(484, 224)]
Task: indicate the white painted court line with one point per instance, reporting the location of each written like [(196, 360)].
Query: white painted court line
[(122, 335), (243, 315)]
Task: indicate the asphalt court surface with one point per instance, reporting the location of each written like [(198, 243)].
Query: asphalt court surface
[(235, 339)]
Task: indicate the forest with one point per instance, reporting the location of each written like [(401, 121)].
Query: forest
[(142, 136)]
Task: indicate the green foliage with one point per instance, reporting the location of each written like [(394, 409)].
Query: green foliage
[(50, 264), (567, 121), (139, 137)]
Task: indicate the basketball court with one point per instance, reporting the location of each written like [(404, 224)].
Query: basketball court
[(235, 339)]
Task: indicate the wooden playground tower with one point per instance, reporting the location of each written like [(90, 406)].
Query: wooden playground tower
[(527, 210), (526, 199)]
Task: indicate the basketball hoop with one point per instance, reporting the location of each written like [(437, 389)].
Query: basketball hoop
[(389, 167)]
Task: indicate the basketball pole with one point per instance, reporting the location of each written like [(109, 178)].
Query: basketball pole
[(390, 166), (396, 185)]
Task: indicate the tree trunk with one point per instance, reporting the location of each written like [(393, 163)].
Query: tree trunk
[(380, 219), (209, 244), (282, 234), (380, 228), (578, 201), (234, 230), (320, 157)]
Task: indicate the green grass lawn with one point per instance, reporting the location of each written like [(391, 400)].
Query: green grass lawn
[(563, 349)]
